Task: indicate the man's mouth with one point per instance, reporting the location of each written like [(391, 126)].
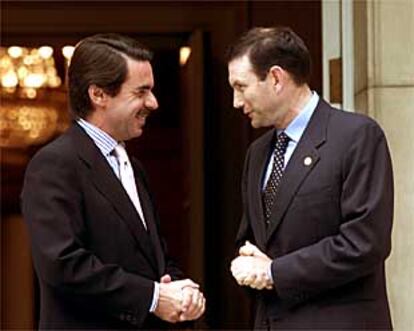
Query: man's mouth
[(143, 113)]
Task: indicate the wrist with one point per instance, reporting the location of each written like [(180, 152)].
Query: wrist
[(155, 297), (269, 273)]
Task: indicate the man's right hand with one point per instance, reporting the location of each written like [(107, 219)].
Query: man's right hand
[(170, 298)]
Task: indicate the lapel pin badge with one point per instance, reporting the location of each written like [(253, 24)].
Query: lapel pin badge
[(307, 161)]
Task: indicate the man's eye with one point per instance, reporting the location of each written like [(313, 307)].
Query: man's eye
[(141, 93)]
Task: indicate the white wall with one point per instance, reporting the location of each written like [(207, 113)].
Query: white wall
[(384, 89), (382, 70)]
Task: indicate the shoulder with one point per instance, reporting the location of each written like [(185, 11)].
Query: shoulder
[(356, 137), (59, 153), (350, 123)]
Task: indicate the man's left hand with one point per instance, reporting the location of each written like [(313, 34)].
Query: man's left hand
[(252, 267)]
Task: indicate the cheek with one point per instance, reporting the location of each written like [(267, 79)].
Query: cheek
[(261, 98), (137, 103), (253, 100), (249, 97)]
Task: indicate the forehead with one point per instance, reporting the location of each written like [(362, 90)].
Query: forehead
[(240, 70)]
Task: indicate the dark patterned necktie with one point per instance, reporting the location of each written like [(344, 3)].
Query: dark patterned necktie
[(269, 194)]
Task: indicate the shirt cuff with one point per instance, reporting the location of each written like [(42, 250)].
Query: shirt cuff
[(269, 273), (155, 297)]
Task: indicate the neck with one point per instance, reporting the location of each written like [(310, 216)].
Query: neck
[(297, 98), (99, 122)]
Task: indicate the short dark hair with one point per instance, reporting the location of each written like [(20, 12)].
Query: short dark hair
[(101, 60), (267, 47)]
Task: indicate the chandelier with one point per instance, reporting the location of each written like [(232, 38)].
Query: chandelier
[(33, 99)]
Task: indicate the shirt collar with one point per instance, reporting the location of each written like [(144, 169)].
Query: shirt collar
[(102, 140), (296, 128)]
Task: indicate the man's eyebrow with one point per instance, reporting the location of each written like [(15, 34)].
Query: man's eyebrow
[(238, 83), (143, 87)]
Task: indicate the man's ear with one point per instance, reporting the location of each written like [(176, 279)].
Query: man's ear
[(97, 96), (276, 75)]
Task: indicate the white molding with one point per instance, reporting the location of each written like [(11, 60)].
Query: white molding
[(331, 40), (348, 90)]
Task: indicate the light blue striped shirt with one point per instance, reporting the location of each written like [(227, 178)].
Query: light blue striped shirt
[(103, 141), (106, 145)]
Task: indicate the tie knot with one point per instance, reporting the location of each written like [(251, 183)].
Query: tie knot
[(121, 153), (282, 142)]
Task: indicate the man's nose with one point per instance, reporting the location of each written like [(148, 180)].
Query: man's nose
[(151, 102), (237, 100)]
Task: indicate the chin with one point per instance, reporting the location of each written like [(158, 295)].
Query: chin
[(137, 135), (255, 124), (137, 131), (133, 135)]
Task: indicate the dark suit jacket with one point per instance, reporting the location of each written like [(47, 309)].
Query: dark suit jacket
[(330, 228), (94, 259)]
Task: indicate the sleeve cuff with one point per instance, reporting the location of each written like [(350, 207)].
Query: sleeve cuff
[(269, 273), (155, 297)]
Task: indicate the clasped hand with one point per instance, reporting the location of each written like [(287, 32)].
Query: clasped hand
[(179, 300), (251, 268)]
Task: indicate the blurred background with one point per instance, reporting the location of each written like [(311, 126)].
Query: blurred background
[(193, 146)]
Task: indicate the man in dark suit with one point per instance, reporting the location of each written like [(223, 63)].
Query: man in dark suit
[(317, 195), (96, 245)]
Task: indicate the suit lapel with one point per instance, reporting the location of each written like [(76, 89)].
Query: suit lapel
[(260, 157), (106, 182), (302, 162), (149, 214)]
